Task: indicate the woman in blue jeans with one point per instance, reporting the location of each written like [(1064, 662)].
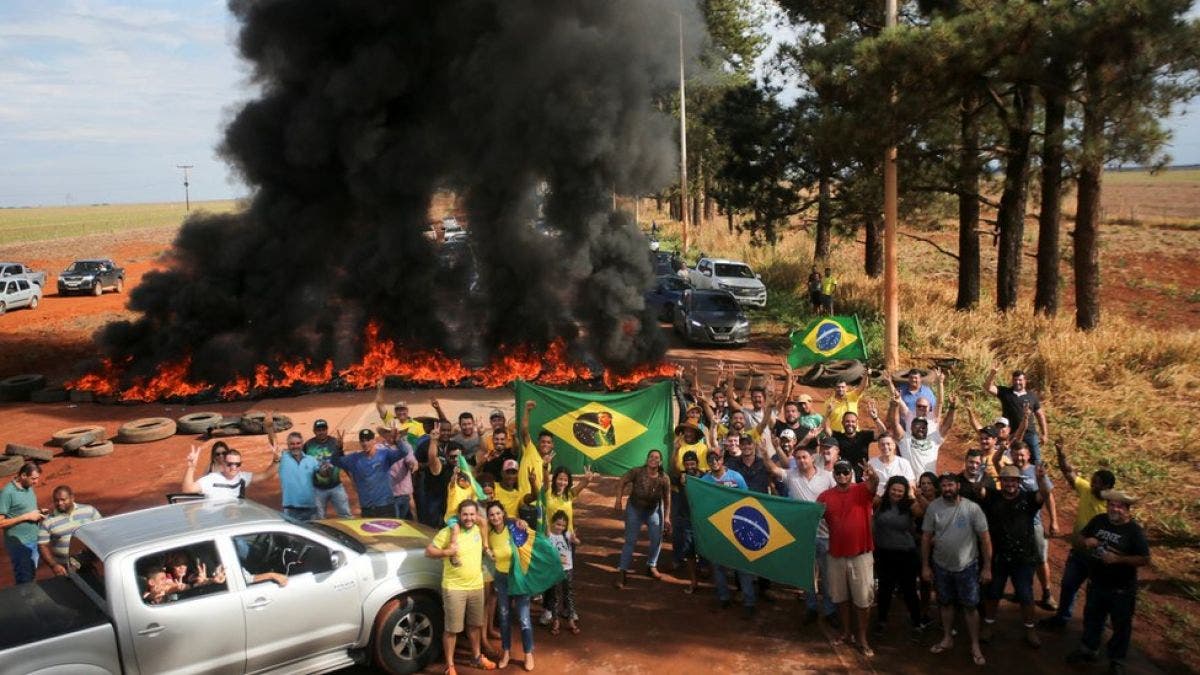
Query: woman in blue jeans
[(649, 500), (500, 550)]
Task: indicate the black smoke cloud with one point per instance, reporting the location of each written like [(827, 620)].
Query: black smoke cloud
[(527, 109)]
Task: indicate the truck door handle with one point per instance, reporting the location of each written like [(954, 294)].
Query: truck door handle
[(151, 630), (258, 603)]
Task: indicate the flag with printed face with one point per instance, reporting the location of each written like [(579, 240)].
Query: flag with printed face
[(767, 536), (535, 563), (611, 432), (826, 339)]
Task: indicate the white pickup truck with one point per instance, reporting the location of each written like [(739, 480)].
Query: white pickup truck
[(12, 270), (195, 588), (729, 275)]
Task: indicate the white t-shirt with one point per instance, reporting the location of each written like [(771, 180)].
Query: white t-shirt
[(808, 489), (564, 550), (922, 454), (898, 467), (217, 486)]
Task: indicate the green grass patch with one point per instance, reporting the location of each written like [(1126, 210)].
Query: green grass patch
[(18, 225)]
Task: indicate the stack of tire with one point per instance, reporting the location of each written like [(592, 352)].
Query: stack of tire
[(831, 373), (215, 424), (84, 441)]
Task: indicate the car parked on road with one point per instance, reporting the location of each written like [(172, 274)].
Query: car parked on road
[(730, 275), (710, 316), (662, 298), (16, 293), (258, 593), (11, 270), (91, 275)]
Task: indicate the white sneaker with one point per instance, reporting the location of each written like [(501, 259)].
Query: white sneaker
[(546, 618)]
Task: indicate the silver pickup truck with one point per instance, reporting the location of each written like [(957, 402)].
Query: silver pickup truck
[(195, 588), (11, 270)]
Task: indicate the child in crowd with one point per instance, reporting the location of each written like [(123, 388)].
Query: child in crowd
[(560, 599)]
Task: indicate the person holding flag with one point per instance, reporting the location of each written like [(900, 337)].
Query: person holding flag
[(501, 549), (720, 475)]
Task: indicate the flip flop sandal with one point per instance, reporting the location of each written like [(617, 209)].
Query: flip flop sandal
[(979, 660), (940, 648)]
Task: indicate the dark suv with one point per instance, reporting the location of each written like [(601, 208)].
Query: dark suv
[(711, 316), (92, 275)]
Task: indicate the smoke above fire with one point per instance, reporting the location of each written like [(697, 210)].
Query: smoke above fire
[(532, 112)]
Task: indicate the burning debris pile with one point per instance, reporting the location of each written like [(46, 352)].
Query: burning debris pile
[(526, 109)]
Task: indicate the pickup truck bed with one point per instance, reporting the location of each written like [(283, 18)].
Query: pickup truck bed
[(36, 612)]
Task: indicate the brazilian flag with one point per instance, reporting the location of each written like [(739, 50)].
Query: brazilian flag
[(535, 564), (767, 536), (611, 432), (826, 339)]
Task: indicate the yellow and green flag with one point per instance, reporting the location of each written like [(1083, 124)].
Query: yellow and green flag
[(611, 432), (826, 339), (767, 536), (536, 565)]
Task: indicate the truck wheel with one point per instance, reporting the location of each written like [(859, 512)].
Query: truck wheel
[(3, 309), (198, 423), (19, 387), (98, 289), (60, 437), (120, 284), (408, 634), (33, 302), (146, 429)]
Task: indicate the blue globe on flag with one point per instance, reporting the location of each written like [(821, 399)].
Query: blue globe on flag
[(829, 336), (750, 528)]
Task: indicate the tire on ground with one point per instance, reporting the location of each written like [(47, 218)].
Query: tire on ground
[(63, 435), (252, 423), (49, 395), (10, 465), (29, 452), (831, 373), (407, 634), (197, 423), (146, 429), (74, 443), (96, 449), (19, 387)]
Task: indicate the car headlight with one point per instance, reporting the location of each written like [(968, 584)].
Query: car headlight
[(696, 323)]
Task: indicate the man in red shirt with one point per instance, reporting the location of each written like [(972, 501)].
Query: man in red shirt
[(851, 561)]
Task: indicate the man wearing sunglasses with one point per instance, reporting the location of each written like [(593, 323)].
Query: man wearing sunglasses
[(848, 508), (230, 482)]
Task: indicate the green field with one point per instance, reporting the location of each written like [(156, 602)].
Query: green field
[(58, 222), (1164, 177)]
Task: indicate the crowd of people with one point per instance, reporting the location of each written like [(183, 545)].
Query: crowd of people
[(895, 523)]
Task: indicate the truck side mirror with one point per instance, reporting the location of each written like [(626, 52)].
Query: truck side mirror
[(337, 559)]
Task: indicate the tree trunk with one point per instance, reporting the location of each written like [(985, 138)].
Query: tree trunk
[(824, 216), (658, 202), (1011, 215), (729, 217), (695, 205), (676, 211), (873, 265), (1045, 300), (968, 204), (710, 204), (1087, 208)]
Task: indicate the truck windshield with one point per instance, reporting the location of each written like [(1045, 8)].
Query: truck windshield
[(84, 267), (715, 303), (734, 270)]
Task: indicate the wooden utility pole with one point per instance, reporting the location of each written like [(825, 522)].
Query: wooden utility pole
[(683, 179), (891, 282), (187, 199)]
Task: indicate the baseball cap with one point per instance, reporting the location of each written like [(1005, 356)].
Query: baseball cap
[(842, 465), (509, 465), (1001, 421), (922, 420), (496, 412), (788, 433), (366, 435), (401, 404), (829, 442), (989, 431), (1010, 471), (804, 398), (320, 424), (1118, 496)]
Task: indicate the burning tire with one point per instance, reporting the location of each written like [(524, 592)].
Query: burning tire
[(146, 429), (198, 423), (49, 395), (96, 449), (10, 465), (28, 453), (252, 423), (60, 437), (77, 442), (19, 387)]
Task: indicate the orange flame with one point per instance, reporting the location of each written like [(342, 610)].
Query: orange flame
[(380, 358)]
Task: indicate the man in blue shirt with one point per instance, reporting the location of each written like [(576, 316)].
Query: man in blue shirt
[(917, 390), (296, 471), (369, 469), (729, 478)]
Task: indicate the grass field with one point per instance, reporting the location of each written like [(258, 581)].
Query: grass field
[(1177, 176), (19, 225)]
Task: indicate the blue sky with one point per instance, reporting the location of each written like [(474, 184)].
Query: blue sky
[(101, 99)]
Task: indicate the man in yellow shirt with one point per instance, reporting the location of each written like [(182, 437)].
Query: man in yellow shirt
[(1091, 504), (535, 459), (461, 550), (508, 490), (843, 401), (408, 428)]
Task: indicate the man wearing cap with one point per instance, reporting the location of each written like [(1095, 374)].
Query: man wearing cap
[(956, 556), (369, 470), (508, 492), (848, 507), (496, 422), (1116, 547), (689, 438), (1091, 504), (1015, 400), (721, 475), (1011, 512), (405, 425), (327, 481), (806, 482), (1031, 482)]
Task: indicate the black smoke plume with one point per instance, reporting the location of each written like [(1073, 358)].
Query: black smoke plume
[(529, 110)]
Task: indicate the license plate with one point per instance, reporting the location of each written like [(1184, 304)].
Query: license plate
[(721, 337)]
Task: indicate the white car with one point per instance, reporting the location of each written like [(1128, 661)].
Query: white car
[(730, 275), (16, 293)]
